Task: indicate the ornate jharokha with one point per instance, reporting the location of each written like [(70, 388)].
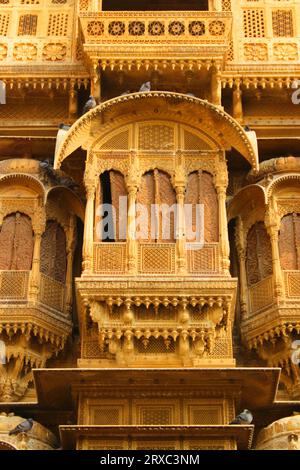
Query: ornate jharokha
[(267, 217), (149, 223), (149, 297), (37, 239)]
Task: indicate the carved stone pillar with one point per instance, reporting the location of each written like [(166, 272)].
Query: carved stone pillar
[(131, 228), (278, 281), (96, 84), (215, 5), (224, 241), (216, 88), (241, 250), (272, 225), (88, 237), (73, 105), (35, 270), (179, 184), (237, 105)]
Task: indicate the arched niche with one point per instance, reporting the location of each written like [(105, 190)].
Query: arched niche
[(258, 254), (156, 188), (21, 185), (201, 190), (16, 242), (68, 199)]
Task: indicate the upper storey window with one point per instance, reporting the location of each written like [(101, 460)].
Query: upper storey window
[(155, 5)]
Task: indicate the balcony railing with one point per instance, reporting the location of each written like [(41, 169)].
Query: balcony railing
[(261, 294), (15, 287), (156, 27), (155, 258)]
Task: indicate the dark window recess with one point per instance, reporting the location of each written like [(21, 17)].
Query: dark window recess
[(107, 228), (156, 5)]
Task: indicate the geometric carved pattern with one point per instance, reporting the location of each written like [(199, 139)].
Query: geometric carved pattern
[(156, 137), (156, 188), (106, 416), (53, 252), (259, 254), (204, 260), (16, 243), (4, 22), (254, 23), (193, 142), (201, 190), (27, 25), (283, 23), (52, 293), (58, 24), (119, 141), (156, 258), (13, 285), (289, 240), (292, 284), (261, 294), (109, 258), (154, 346), (155, 415), (199, 414)]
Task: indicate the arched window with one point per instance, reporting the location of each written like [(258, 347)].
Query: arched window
[(259, 254), (289, 242), (53, 252), (16, 243), (201, 190), (156, 191)]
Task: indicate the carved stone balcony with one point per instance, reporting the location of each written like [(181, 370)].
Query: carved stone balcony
[(33, 328), (123, 39)]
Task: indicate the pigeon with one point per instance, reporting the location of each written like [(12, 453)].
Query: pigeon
[(64, 127), (24, 426), (245, 417), (145, 87), (48, 168), (90, 104)]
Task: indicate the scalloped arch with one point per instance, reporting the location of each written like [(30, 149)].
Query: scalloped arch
[(225, 131)]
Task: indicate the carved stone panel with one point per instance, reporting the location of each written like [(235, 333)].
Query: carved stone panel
[(289, 240), (53, 252), (201, 190), (259, 254), (16, 243), (156, 188)]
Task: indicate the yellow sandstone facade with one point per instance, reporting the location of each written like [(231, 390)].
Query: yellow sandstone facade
[(159, 341)]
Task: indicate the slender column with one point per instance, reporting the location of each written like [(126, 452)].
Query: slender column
[(237, 105), (179, 185), (277, 273), (35, 270), (216, 88), (272, 225), (241, 250), (88, 237), (224, 241), (73, 105), (131, 229), (216, 5)]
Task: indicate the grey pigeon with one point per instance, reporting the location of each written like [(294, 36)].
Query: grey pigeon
[(145, 87), (245, 417), (48, 168), (90, 104), (64, 127), (24, 426)]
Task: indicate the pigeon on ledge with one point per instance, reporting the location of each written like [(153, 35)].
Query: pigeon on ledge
[(90, 104), (145, 87), (245, 417), (24, 426)]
